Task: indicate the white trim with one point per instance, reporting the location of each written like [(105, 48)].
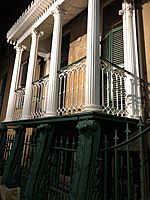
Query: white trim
[(31, 19)]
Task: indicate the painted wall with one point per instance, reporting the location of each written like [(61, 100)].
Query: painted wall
[(146, 26)]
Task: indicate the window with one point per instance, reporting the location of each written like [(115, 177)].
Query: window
[(42, 64), (112, 48), (112, 41), (23, 75), (65, 50), (2, 89)]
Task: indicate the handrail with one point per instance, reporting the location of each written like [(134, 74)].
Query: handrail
[(121, 68), (67, 66)]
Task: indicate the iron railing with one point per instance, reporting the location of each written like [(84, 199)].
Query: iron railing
[(61, 167), (19, 100), (39, 97), (122, 171), (72, 88), (120, 92)]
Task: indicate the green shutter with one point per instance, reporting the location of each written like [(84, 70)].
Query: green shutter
[(117, 46), (112, 46)]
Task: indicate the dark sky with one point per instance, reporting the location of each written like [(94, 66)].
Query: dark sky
[(10, 12)]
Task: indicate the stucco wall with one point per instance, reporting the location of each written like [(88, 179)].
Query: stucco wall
[(146, 25)]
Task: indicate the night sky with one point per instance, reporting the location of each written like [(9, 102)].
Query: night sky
[(10, 12)]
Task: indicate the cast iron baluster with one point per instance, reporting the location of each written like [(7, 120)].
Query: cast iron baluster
[(72, 90), (68, 92), (128, 162), (64, 92), (3, 136), (142, 171), (25, 152), (56, 164), (65, 163), (72, 157), (83, 89), (60, 93), (77, 88), (116, 166), (105, 168)]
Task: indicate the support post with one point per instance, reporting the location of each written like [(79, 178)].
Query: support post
[(26, 112), (92, 91), (54, 66), (38, 177), (12, 172), (85, 164), (11, 99)]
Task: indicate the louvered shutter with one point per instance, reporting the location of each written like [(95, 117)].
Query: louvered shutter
[(112, 46), (106, 47), (113, 51), (117, 56)]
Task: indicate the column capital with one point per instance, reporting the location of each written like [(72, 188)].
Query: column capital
[(58, 10), (20, 47), (37, 33), (126, 8), (129, 9)]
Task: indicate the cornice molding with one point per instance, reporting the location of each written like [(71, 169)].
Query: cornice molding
[(32, 17)]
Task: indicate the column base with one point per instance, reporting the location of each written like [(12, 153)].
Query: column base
[(91, 107), (9, 194), (49, 114), (25, 118), (7, 120)]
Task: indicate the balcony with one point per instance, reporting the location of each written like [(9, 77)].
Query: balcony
[(118, 89)]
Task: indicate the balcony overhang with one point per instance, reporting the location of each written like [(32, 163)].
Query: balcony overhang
[(38, 16)]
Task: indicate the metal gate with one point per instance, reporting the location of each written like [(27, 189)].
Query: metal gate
[(126, 164)]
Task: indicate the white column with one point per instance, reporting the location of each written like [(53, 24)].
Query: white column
[(133, 100), (11, 99), (51, 108), (92, 92), (31, 66)]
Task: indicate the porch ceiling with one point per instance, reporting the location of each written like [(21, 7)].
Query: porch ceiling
[(33, 19)]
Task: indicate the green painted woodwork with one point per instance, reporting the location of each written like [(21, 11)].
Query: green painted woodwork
[(85, 165), (12, 171), (112, 46), (3, 136), (36, 186)]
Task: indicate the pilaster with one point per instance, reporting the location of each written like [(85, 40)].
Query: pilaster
[(132, 83)]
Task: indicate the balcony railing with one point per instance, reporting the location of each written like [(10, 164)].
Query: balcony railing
[(19, 100), (119, 92), (39, 97), (118, 89), (72, 88)]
